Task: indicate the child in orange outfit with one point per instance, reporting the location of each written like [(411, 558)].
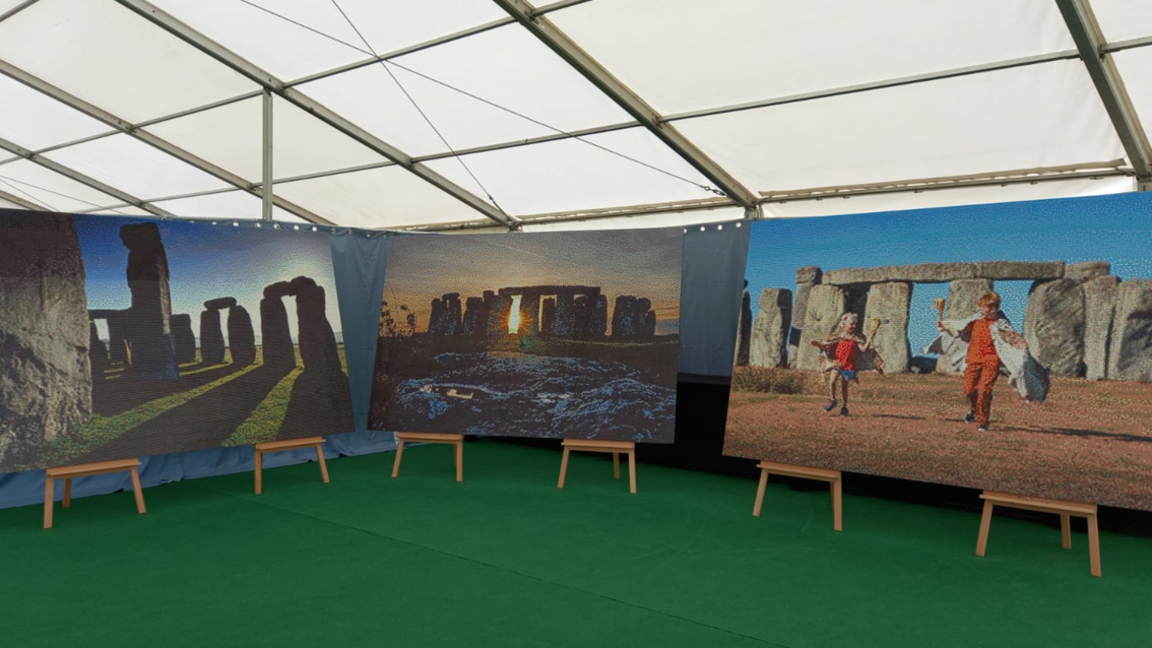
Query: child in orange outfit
[(982, 360)]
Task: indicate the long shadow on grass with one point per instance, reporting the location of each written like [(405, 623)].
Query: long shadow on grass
[(203, 422), (113, 397), (320, 404)]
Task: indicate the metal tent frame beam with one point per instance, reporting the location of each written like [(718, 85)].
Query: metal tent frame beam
[(269, 82), (559, 42), (1087, 171), (1090, 42)]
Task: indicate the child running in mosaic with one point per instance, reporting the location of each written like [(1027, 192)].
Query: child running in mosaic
[(839, 356), (982, 346)]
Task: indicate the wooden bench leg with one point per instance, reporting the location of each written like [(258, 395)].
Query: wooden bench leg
[(1094, 545), (632, 471), (138, 490), (1065, 531), (259, 472), (837, 505), (459, 449), (399, 456), (67, 492), (563, 469), (616, 465), (760, 493), (323, 465), (49, 500), (985, 522)]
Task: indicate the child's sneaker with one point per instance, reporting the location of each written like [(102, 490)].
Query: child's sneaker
[(843, 411), (982, 428), (970, 417), (830, 406)]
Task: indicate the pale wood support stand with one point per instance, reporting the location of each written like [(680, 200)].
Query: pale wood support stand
[(615, 447), (456, 440), (68, 473), (1064, 509), (289, 444), (833, 478)]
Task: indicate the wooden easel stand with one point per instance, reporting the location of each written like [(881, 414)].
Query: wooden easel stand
[(289, 444), (68, 473), (833, 477), (616, 448), (456, 440), (1064, 509)]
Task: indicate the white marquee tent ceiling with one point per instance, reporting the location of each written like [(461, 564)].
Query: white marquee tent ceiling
[(496, 113)]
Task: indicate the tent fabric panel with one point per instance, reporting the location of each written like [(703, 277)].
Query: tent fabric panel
[(225, 206), (1135, 66), (387, 197), (35, 121), (230, 136), (505, 66), (50, 189), (572, 174), (130, 165), (114, 59), (680, 55), (1040, 116), (1123, 19), (291, 51)]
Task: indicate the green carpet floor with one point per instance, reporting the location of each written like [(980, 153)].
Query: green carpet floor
[(505, 559)]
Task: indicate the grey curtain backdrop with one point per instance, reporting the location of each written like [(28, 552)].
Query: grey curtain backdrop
[(360, 263), (715, 256)]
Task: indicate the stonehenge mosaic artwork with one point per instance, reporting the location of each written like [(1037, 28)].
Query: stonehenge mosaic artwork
[(859, 348), (84, 381), (565, 349)]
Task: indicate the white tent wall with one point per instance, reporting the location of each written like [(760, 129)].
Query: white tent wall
[(157, 107)]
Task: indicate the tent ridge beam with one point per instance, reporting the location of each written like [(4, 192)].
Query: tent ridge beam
[(626, 98), (958, 183), (1101, 68), (891, 188), (268, 81)]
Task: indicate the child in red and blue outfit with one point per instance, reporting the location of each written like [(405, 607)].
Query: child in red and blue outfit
[(841, 349)]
